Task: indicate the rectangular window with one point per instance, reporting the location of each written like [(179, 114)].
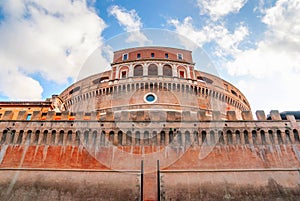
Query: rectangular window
[(125, 57), (181, 74), (124, 74), (28, 117), (166, 55), (138, 56), (179, 56), (152, 55)]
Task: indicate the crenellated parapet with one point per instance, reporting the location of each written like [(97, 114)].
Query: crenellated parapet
[(138, 115), (155, 127)]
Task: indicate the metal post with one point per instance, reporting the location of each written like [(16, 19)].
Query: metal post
[(142, 180), (158, 182)]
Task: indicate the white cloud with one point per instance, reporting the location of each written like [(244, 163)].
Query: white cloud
[(129, 19), (273, 67), (18, 85), (131, 23), (227, 43), (52, 38), (187, 29), (216, 9)]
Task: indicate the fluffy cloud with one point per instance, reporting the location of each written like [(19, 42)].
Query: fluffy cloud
[(131, 23), (219, 8), (273, 67), (269, 74), (227, 43), (52, 38)]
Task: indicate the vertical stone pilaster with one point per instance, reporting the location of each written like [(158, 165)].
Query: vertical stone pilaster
[(160, 69), (130, 73), (174, 70), (145, 69)]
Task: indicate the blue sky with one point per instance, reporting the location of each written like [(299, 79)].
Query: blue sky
[(255, 45)]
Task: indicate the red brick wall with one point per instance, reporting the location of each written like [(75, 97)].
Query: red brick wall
[(159, 52)]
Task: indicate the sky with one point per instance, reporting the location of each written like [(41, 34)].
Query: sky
[(255, 45)]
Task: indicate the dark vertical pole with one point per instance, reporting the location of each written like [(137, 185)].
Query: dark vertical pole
[(158, 182), (142, 180)]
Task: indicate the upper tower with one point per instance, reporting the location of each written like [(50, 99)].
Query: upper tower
[(153, 61), (154, 79)]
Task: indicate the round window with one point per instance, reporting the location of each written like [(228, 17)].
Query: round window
[(150, 98)]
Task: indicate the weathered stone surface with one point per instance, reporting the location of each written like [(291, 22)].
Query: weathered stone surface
[(63, 186), (260, 115), (231, 115), (8, 115), (247, 115), (230, 186), (275, 115)]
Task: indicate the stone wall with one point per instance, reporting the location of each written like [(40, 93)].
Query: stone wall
[(207, 158), (45, 185)]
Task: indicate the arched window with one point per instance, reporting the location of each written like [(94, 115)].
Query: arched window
[(69, 136), (279, 137), (196, 137), (203, 137), (179, 138), (271, 136), (162, 137), (254, 137), (221, 137), (238, 136), (246, 137), (120, 137), (146, 138), (111, 136), (137, 138), (152, 70), (45, 135), (229, 137), (128, 138), (61, 137), (20, 137), (138, 71), (263, 137), (4, 134), (187, 138), (171, 137), (296, 136), (12, 136), (37, 136), (167, 71), (28, 137), (153, 138), (53, 135), (77, 137), (288, 137), (102, 138), (94, 137), (86, 137), (212, 137)]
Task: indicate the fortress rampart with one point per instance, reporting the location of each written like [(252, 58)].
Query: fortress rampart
[(66, 128), (249, 155), (151, 128)]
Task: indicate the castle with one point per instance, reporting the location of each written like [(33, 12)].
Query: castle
[(151, 128)]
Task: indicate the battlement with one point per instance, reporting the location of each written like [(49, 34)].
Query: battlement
[(138, 115), (131, 128)]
